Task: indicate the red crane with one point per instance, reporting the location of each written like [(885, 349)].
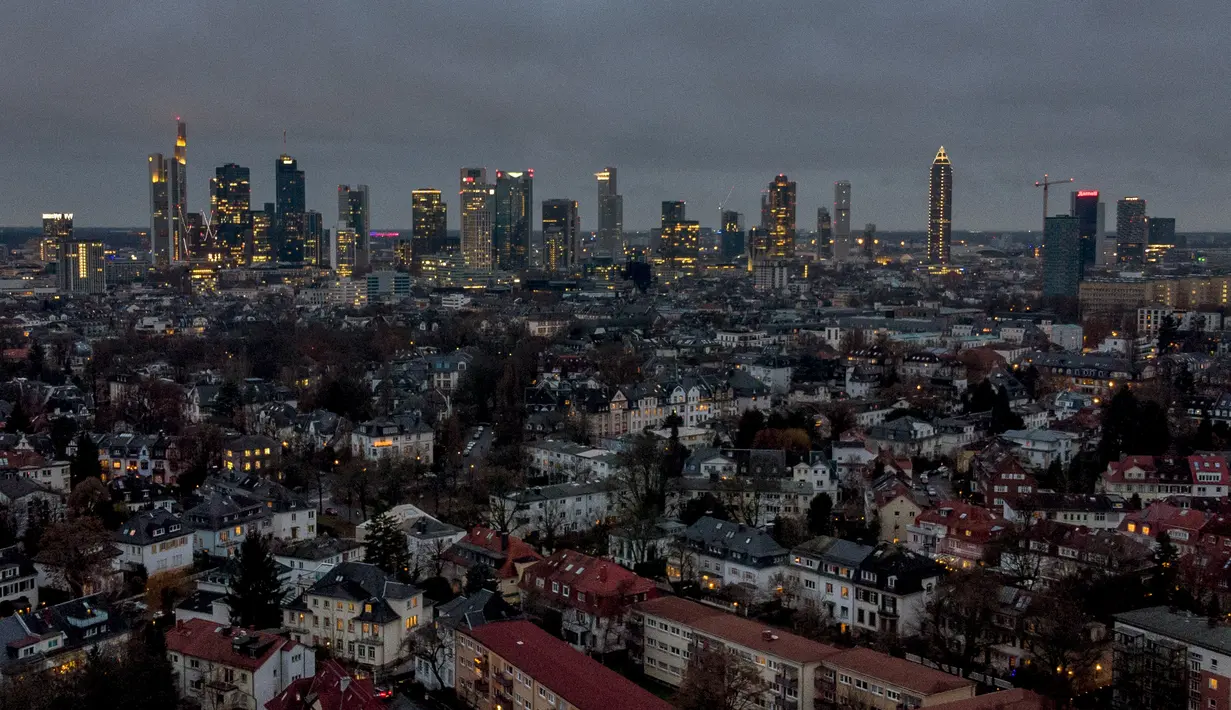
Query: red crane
[(1045, 183)]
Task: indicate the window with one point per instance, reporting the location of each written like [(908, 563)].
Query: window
[(1213, 684), (555, 587), (565, 590), (844, 679), (581, 596)]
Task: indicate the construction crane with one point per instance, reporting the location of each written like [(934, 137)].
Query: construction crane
[(1045, 183)]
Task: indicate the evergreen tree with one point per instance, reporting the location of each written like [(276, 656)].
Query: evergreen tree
[(384, 545), (150, 679), (479, 577), (256, 591), (84, 463), (982, 397), (1168, 334), (19, 421), (820, 515), (1003, 416), (1165, 556)]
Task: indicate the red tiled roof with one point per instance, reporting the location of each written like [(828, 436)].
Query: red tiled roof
[(1209, 464), (324, 690), (1016, 699), (1161, 515), (737, 629), (585, 683), (518, 550), (595, 577), (209, 640), (896, 671)]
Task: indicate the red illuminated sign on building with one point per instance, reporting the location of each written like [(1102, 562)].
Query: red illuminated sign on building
[(1087, 193)]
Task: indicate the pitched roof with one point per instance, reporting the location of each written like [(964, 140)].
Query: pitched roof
[(332, 688), (209, 640), (1015, 699), (897, 671), (591, 575), (585, 683)]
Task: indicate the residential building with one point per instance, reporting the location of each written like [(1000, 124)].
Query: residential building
[(1101, 511), (37, 468), (222, 521), (252, 453), (155, 541), (957, 533), (332, 687), (555, 509), (82, 267), (861, 677), (58, 638), (592, 595), (29, 503), (398, 438), (1040, 448), (360, 613), (435, 664), (719, 553), (310, 559), (222, 666), (18, 582), (671, 630), (1170, 660), (512, 664), (507, 556)]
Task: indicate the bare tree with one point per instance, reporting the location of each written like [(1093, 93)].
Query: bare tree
[(719, 680), (434, 647)]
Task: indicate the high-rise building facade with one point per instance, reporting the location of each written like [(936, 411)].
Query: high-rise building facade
[(478, 201), (261, 248), (1132, 229), (57, 229), (940, 208), (315, 239), (343, 254), (1062, 256), (610, 233), (82, 267), (673, 211), (178, 172), (868, 240), (824, 231), (841, 220), (781, 218), (1160, 238), (732, 238), (230, 206), (679, 243), (561, 235), (290, 202), (430, 222), (160, 211), (354, 209), (1084, 205), (514, 210)]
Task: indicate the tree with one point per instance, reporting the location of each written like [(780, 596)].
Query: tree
[(1003, 416), (256, 591), (149, 680), (961, 613), (163, 590), (480, 576), (384, 545), (702, 506), (718, 680), (77, 552), (789, 531), (641, 485), (91, 498), (982, 397), (428, 643), (1167, 557), (84, 463), (820, 514), (1168, 334), (750, 422), (18, 421)]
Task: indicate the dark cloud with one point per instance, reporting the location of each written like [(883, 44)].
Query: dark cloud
[(688, 100)]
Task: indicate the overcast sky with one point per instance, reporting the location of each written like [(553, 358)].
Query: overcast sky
[(687, 100)]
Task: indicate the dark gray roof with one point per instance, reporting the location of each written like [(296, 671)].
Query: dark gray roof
[(835, 550), (730, 539), (315, 548), (150, 526), (482, 607), (360, 581), (1183, 626)]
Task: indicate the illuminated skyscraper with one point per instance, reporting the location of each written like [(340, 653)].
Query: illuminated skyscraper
[(315, 240), (261, 248), (354, 209), (940, 208), (343, 253), (673, 211), (824, 232), (610, 215), (1132, 229), (478, 199), (1061, 256), (514, 210), (430, 219), (841, 220), (82, 267), (287, 231), (732, 239), (868, 240), (781, 218), (230, 204), (160, 210), (561, 235), (57, 229), (1085, 206), (178, 171)]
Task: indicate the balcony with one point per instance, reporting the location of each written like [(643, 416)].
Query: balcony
[(786, 704), (788, 682)]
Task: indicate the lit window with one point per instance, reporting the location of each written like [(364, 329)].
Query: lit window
[(1145, 529), (1132, 527), (1213, 684)]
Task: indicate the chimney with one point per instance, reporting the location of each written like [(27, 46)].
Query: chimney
[(602, 573), (344, 683), (767, 635), (504, 542)]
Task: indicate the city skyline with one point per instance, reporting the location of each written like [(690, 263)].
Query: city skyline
[(883, 96)]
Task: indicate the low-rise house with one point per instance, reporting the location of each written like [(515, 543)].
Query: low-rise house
[(332, 688), (507, 556), (1040, 448), (1100, 511), (512, 664), (719, 554), (1000, 477), (58, 638), (818, 471), (1182, 525), (291, 515), (135, 455), (555, 509), (222, 521), (1050, 551), (566, 461), (1153, 478), (405, 438), (360, 613), (752, 501), (136, 494), (905, 436), (225, 667), (36, 467), (30, 503), (957, 533), (18, 582), (155, 541), (630, 546), (312, 558), (434, 662), (252, 453), (592, 595)]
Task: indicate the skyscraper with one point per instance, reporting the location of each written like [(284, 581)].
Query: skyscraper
[(1132, 230), (354, 209), (841, 220), (82, 267), (561, 235), (342, 255), (940, 208), (286, 239), (1161, 238), (160, 210), (514, 209), (57, 229), (679, 244), (824, 232), (610, 214), (478, 199), (1061, 256), (179, 194), (672, 211), (230, 206), (868, 240), (315, 240), (261, 247), (430, 222), (781, 218), (1084, 205), (732, 243)]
